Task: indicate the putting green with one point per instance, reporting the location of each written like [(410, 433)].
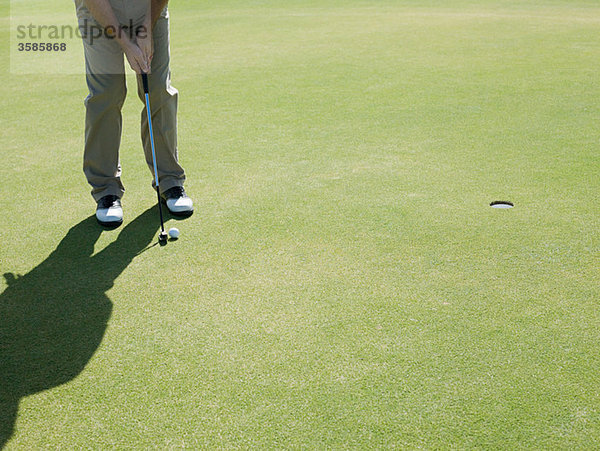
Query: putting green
[(344, 282)]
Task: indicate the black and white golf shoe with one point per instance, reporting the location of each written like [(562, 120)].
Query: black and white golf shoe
[(178, 203), (109, 212)]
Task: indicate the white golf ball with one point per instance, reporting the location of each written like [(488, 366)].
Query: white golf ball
[(174, 232)]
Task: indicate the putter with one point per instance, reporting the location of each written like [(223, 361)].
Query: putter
[(162, 237)]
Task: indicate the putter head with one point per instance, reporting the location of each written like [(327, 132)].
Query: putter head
[(162, 237)]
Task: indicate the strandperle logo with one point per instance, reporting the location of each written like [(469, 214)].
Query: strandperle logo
[(87, 30)]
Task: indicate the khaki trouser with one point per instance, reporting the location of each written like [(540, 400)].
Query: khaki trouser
[(105, 76)]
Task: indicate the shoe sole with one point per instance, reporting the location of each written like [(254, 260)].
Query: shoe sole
[(180, 214), (110, 224)]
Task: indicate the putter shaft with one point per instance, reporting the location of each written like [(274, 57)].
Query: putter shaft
[(145, 83)]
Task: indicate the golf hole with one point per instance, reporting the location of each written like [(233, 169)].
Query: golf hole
[(502, 204)]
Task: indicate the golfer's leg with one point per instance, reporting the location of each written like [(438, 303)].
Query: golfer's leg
[(105, 76), (103, 134), (163, 103)]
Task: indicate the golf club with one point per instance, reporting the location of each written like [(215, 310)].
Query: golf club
[(162, 237)]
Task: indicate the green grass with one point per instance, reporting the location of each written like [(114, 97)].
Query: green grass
[(343, 282)]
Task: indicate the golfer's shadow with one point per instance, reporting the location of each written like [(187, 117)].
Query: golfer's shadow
[(53, 318)]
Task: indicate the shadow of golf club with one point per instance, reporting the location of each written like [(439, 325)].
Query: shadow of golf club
[(53, 318)]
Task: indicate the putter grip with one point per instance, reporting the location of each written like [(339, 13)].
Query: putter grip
[(145, 82)]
